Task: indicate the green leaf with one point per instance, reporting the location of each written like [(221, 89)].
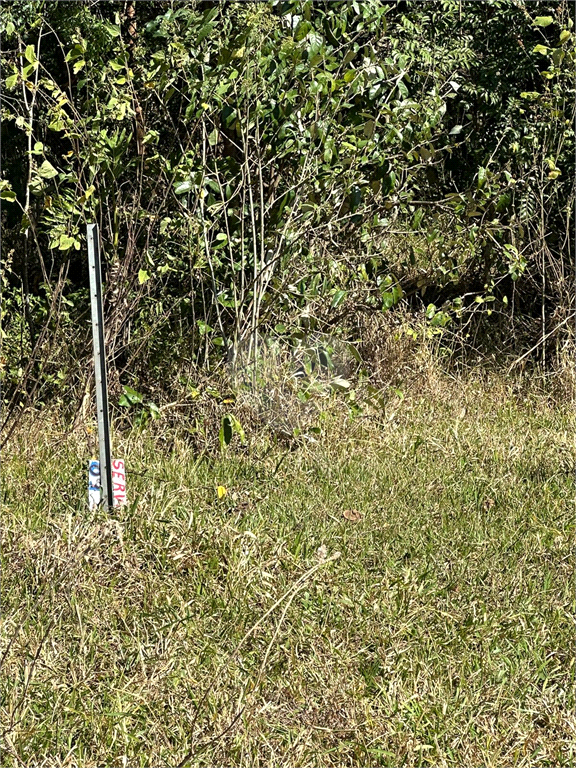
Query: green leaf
[(481, 177), (540, 49), (182, 188), (339, 297), (226, 432), (76, 52), (204, 32), (203, 327), (11, 82), (30, 54), (143, 276), (65, 243), (237, 427), (112, 30), (543, 21), (8, 195), (130, 397), (154, 410), (456, 130), (27, 71), (47, 170)]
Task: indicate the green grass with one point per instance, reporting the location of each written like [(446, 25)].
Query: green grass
[(265, 628)]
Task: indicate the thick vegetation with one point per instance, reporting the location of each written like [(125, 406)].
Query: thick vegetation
[(343, 544), (399, 595), (281, 167)]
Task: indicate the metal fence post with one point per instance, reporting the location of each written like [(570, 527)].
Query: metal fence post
[(95, 273)]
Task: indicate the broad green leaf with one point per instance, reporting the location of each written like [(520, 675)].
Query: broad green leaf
[(30, 54), (369, 129), (204, 32), (143, 276), (203, 327), (76, 52), (11, 82), (130, 397), (28, 69), (65, 243), (112, 29), (182, 188), (543, 21), (8, 195), (47, 170), (221, 239)]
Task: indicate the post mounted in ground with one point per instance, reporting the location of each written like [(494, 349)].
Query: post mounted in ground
[(95, 272)]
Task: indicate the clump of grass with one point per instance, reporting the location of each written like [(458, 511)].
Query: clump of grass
[(434, 626)]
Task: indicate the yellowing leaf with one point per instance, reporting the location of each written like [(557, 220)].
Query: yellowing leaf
[(543, 21), (221, 491)]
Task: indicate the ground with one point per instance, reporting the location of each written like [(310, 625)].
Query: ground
[(399, 592)]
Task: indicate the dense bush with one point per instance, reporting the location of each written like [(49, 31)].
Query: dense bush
[(280, 165)]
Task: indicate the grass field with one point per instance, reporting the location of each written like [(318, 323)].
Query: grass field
[(399, 593)]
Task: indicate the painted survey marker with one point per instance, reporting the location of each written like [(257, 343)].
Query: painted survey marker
[(95, 483), (119, 482)]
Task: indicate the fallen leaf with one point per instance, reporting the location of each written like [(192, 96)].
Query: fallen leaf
[(488, 504), (221, 491), (352, 514), (322, 552)]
